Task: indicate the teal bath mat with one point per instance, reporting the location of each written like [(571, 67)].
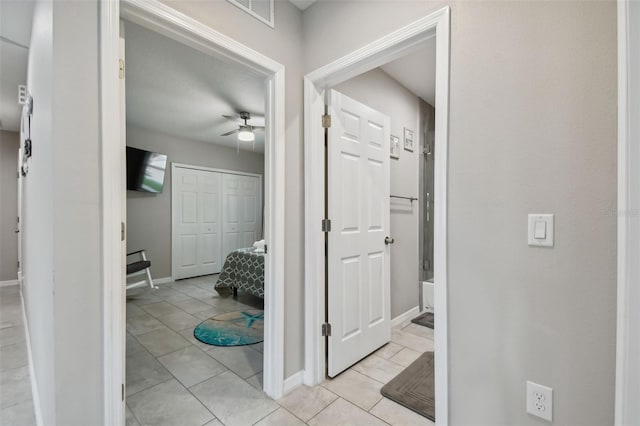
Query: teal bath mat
[(232, 329)]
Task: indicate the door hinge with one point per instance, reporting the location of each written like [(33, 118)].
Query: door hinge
[(326, 329), (426, 265), (122, 392), (18, 264), (326, 225), (326, 121), (265, 249), (121, 69), (122, 231)]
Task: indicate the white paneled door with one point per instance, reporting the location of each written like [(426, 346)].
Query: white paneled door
[(242, 224), (204, 203), (358, 257), (196, 221)]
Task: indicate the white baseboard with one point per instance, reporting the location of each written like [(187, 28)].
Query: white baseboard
[(35, 394), (8, 283), (407, 316), (163, 280), (293, 381)]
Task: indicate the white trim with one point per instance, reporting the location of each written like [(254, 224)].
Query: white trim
[(383, 50), (407, 316), (212, 169), (628, 247), (113, 369), (167, 21), (293, 381), (35, 392), (8, 283), (163, 280)]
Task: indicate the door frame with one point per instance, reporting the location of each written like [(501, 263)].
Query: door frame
[(167, 21), (373, 55), (174, 166), (628, 246)]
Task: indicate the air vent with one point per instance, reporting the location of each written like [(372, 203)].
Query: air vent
[(260, 9)]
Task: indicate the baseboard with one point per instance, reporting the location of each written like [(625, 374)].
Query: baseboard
[(8, 283), (163, 280), (407, 316), (293, 381), (35, 394)]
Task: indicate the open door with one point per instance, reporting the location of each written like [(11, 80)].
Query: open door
[(358, 243)]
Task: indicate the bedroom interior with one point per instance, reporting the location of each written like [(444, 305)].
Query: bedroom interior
[(195, 167)]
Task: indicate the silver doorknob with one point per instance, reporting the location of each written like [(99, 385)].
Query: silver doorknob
[(388, 240)]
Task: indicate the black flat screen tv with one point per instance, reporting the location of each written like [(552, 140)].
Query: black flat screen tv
[(145, 170)]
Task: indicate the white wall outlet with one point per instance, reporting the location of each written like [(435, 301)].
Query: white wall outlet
[(540, 401)]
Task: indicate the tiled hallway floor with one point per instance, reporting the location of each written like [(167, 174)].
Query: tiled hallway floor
[(172, 379), (16, 402)]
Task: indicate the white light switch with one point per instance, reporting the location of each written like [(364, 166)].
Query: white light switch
[(541, 230)]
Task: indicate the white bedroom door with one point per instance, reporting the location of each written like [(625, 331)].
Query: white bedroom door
[(197, 212), (242, 207), (358, 254)]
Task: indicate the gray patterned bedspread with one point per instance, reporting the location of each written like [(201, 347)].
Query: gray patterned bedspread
[(243, 269)]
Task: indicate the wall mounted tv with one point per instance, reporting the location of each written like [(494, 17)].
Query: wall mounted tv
[(145, 170)]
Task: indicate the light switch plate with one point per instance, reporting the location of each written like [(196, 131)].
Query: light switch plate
[(542, 221)]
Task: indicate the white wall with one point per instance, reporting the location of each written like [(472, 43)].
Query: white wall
[(402, 106), (532, 130), (62, 281), (9, 144), (37, 229), (149, 215)]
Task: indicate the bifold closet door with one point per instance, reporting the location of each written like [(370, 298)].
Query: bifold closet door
[(242, 206), (197, 212)]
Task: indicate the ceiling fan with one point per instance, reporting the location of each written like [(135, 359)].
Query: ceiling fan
[(245, 130)]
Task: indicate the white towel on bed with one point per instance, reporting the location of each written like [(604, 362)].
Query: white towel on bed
[(259, 246)]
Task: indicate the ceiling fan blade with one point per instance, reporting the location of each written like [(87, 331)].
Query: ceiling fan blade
[(230, 133), (258, 128), (232, 118)]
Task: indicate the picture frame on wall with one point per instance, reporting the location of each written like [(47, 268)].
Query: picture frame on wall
[(408, 139), (395, 147)]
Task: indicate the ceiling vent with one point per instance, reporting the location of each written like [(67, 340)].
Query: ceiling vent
[(259, 9)]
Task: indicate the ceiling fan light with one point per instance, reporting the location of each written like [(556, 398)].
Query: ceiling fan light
[(245, 134)]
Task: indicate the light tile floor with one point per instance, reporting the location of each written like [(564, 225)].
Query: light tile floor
[(16, 402), (173, 379)]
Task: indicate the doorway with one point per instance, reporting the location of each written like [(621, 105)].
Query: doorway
[(168, 22), (317, 83)]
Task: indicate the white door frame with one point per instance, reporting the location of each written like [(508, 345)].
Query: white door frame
[(169, 22), (628, 212), (174, 204), (377, 53)]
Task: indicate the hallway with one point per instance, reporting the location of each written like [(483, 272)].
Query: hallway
[(16, 401)]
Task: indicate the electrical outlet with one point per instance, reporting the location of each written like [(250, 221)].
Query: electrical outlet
[(540, 401)]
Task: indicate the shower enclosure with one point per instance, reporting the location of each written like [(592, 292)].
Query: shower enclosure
[(427, 118)]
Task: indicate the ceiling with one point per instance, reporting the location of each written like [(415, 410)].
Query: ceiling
[(180, 91), (15, 35), (417, 71)]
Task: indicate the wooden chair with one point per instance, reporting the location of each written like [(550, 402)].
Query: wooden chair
[(138, 267)]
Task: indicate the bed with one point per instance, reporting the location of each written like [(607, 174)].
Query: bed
[(243, 269)]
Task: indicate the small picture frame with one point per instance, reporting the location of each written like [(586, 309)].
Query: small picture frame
[(395, 147), (408, 139)]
